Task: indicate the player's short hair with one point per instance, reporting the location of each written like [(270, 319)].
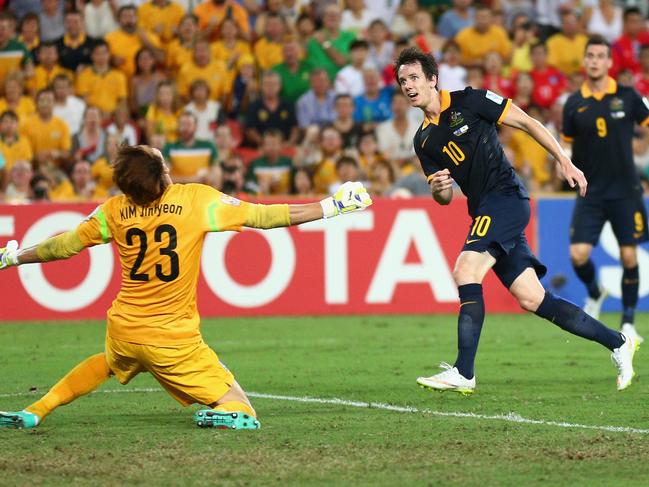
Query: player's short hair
[(597, 40), (138, 173), (413, 55)]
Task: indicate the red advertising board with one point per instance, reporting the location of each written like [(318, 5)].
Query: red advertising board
[(396, 257)]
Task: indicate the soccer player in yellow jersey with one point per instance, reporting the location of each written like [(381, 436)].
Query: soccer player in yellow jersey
[(153, 324)]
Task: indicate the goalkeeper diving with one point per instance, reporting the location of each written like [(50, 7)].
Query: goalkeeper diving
[(153, 325)]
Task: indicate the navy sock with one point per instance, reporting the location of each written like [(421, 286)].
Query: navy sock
[(630, 284), (572, 318), (469, 325), (586, 274)]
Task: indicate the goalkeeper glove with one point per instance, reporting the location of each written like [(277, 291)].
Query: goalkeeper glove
[(349, 197), (9, 255)]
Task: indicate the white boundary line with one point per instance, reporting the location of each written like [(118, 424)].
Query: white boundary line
[(509, 417)]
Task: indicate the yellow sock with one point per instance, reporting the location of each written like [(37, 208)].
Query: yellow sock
[(235, 407), (81, 380)]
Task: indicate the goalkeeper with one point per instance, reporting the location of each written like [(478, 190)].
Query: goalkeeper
[(153, 324)]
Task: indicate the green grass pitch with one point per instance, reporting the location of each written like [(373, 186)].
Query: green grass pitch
[(137, 435)]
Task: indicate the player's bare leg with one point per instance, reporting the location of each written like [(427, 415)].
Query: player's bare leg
[(630, 288), (532, 297), (585, 270), (470, 270), (232, 411)]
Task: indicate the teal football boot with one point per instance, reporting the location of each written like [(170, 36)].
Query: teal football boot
[(209, 418), (20, 419)]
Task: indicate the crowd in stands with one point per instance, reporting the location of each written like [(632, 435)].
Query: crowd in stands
[(279, 97)]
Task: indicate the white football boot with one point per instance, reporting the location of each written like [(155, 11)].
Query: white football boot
[(593, 307), (623, 359), (629, 330), (449, 380)]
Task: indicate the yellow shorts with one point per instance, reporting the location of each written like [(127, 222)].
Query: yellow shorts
[(190, 373)]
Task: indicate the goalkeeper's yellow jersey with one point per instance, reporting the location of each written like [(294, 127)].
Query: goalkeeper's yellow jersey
[(160, 251)]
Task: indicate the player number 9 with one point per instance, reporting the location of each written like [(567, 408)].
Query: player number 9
[(600, 123)]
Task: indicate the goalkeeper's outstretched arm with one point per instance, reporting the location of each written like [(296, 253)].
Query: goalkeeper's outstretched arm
[(61, 246)]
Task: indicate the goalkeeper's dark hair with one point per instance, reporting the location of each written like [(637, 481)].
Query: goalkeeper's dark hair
[(413, 55), (138, 172), (597, 40)]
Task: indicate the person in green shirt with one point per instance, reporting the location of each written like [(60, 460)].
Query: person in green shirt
[(329, 46), (270, 173), (294, 72)]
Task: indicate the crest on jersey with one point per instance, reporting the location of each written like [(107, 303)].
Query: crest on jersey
[(617, 104), (229, 200), (455, 119)]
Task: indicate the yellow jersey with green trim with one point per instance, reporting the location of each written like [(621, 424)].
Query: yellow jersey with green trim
[(160, 250)]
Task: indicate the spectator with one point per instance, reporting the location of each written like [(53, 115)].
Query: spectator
[(349, 80), (160, 17), (320, 151), (122, 126), (395, 135), (245, 89), (626, 49), (208, 112), (162, 115), (99, 85), (224, 142), (381, 178), (388, 73), (548, 16), (67, 107), (48, 135), (368, 151), (202, 66), (20, 8), (179, 51), (523, 38), (482, 38), (270, 111), (549, 82), (356, 17), (344, 122), (211, 13), (412, 184), (642, 77), (475, 76), (75, 47), (347, 169), (230, 48), (305, 28), (14, 98), (566, 48), (271, 7), (268, 49), (81, 186), (452, 75), (13, 147), (381, 47), (316, 106), (47, 69), (18, 190), (143, 84), (51, 20), (125, 42), (192, 160), (302, 183), (426, 39), (293, 72), (329, 47), (375, 105), (459, 17), (270, 173), (604, 19), (40, 188), (29, 29), (233, 179), (404, 24), (88, 144), (523, 90), (13, 54), (99, 18), (494, 80)]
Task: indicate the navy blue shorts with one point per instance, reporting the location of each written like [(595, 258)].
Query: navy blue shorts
[(499, 228), (628, 218)]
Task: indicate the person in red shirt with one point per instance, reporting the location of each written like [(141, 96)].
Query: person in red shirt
[(641, 79), (626, 49), (549, 82), (494, 79)]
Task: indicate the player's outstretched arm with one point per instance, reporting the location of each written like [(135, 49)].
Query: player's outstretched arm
[(62, 246), (517, 118), (351, 196)]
